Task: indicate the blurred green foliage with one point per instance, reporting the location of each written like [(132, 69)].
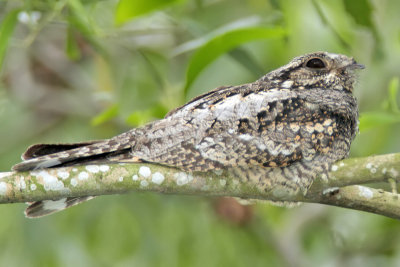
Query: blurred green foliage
[(222, 43), (126, 9), (6, 30), (74, 70)]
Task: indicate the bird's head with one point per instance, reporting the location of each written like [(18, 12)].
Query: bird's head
[(319, 69)]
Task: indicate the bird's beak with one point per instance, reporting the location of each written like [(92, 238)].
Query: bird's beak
[(354, 65)]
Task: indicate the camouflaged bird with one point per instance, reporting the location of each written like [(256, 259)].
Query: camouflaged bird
[(278, 132)]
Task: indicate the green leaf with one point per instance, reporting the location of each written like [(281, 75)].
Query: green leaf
[(223, 43), (106, 115), (6, 30), (393, 94), (128, 9), (81, 21), (334, 16), (370, 120), (247, 61), (360, 10), (72, 49), (82, 18)]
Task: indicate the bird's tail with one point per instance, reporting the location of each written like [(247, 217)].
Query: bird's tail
[(43, 156), (46, 207), (59, 155)]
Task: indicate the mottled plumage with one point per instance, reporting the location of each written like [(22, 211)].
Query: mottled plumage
[(277, 132)]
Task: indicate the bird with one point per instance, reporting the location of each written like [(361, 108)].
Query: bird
[(277, 133)]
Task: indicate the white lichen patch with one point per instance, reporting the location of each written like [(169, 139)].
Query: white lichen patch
[(222, 182), (74, 169), (3, 188), (182, 178), (63, 174), (55, 204), (334, 168), (121, 179), (54, 186), (341, 164), (157, 178), (144, 171), (5, 174), (371, 167), (49, 181), (83, 176), (135, 177), (384, 170), (104, 168), (92, 168), (365, 192), (74, 182), (20, 183), (144, 183), (33, 187), (235, 181)]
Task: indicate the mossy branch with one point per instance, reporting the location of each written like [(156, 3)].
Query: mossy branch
[(343, 189)]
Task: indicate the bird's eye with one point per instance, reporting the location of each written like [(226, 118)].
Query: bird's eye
[(315, 63)]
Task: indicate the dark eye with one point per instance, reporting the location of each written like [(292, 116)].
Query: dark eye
[(315, 63)]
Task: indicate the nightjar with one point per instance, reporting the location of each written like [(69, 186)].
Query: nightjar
[(278, 132)]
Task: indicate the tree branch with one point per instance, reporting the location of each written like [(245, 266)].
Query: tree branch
[(343, 188)]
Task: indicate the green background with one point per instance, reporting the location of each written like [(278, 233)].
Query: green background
[(76, 70)]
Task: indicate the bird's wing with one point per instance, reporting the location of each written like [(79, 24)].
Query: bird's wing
[(271, 128)]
